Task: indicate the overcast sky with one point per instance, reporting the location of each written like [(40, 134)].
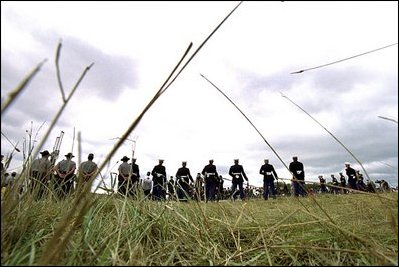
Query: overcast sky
[(135, 45)]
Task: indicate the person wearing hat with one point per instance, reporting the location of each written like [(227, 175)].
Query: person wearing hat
[(124, 172), (211, 179), (351, 173), (268, 172), (65, 174), (238, 175), (87, 169), (134, 178), (40, 174), (183, 179), (159, 181), (323, 186), (298, 172)]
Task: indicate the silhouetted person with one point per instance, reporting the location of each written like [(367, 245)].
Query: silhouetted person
[(40, 174), (123, 175), (211, 180), (65, 170), (159, 180), (323, 187), (134, 178), (298, 171), (238, 174), (351, 173), (269, 174), (87, 169), (183, 179)]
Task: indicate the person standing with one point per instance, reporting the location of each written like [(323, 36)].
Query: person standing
[(351, 173), (87, 169), (124, 171), (159, 180), (297, 169), (183, 179), (65, 176), (40, 174), (211, 178), (269, 174), (134, 178), (323, 186), (146, 184), (238, 175)]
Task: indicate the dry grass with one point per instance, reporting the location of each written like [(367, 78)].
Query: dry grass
[(285, 231)]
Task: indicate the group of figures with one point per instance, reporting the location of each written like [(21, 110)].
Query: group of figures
[(355, 182), (60, 179), (184, 187), (208, 184)]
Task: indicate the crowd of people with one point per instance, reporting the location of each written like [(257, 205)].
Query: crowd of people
[(64, 177)]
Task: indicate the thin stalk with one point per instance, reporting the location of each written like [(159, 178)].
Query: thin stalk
[(57, 66), (79, 148), (73, 140), (338, 61), (202, 44), (245, 116), (138, 119), (385, 118), (391, 218), (58, 115), (53, 247), (26, 166), (336, 139), (14, 146)]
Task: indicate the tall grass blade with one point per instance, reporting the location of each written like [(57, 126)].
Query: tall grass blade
[(202, 44), (336, 139), (57, 67), (245, 116), (338, 61)]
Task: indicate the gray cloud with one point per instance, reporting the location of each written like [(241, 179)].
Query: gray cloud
[(109, 75)]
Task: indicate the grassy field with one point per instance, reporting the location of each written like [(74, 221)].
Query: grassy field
[(355, 229), (88, 229)]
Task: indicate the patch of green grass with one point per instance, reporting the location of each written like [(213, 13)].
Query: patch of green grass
[(285, 231)]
